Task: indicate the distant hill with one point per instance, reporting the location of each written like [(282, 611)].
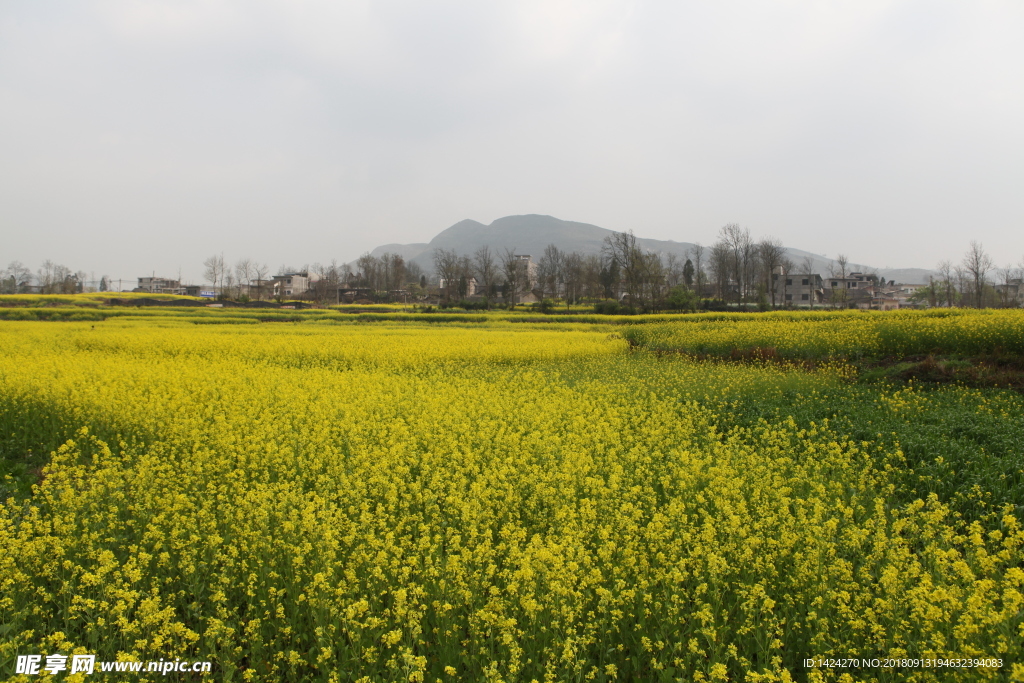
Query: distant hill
[(531, 233), (406, 251), (528, 234)]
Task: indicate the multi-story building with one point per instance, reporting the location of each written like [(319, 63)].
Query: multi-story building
[(159, 285), (471, 286), (851, 281), (1011, 292), (290, 284), (799, 289)]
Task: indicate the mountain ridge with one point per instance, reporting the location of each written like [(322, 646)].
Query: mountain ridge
[(531, 233)]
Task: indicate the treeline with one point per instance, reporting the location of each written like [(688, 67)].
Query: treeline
[(382, 277), (975, 282), (386, 273), (50, 278), (388, 277), (570, 276), (735, 269)]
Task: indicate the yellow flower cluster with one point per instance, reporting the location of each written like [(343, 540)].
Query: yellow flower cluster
[(384, 503), (840, 334)]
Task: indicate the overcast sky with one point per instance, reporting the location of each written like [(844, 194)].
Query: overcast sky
[(144, 136)]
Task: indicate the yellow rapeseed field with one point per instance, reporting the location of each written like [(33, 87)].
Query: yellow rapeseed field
[(312, 502), (846, 334)]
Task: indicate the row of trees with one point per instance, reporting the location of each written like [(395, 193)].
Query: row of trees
[(50, 278), (387, 276), (621, 268), (386, 273), (740, 269), (509, 274), (504, 272), (975, 281), (731, 269), (736, 268), (251, 279), (246, 279)]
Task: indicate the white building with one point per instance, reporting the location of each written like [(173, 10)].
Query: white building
[(159, 285), (290, 284)]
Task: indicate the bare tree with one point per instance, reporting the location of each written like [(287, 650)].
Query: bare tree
[(720, 263), (621, 248), (367, 267), (788, 267), (574, 274), (748, 263), (55, 278), (1018, 284), (243, 274), (486, 268), (215, 270), (66, 282), (229, 286), (550, 270), (19, 277), (609, 277), (45, 276), (258, 272), (516, 276), (741, 247), (729, 243), (465, 273), (977, 264), (398, 272), (391, 271), (592, 268), (1006, 276), (932, 292), (323, 283), (651, 281), (838, 270), (946, 273), (697, 256), (962, 280), (448, 266), (842, 262), (770, 253), (413, 271), (383, 268), (673, 269)]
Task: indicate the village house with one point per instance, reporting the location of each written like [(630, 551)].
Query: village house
[(852, 281), (799, 289), (290, 284), (159, 285), (1011, 291), (874, 299), (857, 290)]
